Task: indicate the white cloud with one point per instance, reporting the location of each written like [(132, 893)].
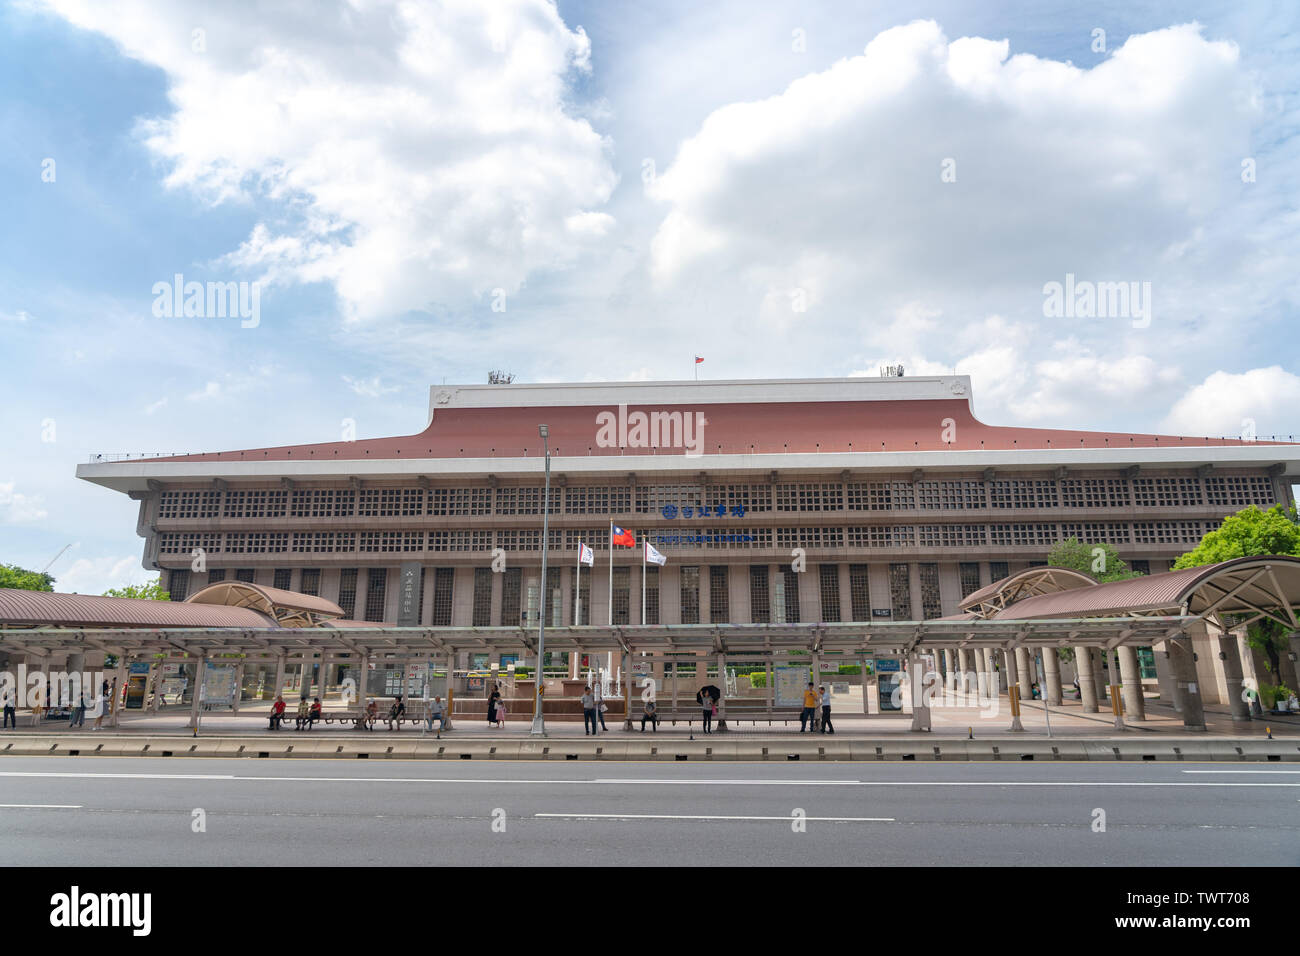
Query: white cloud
[(209, 391), (1263, 400), (155, 406), (18, 508), (427, 149), (370, 388), (97, 575), (19, 316)]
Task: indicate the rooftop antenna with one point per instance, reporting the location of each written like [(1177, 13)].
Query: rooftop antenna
[(56, 557)]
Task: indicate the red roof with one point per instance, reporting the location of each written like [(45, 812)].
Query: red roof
[(730, 428), (52, 609)]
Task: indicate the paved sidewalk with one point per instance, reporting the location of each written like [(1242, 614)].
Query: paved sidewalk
[(1067, 721)]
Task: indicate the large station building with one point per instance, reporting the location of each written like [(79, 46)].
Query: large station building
[(894, 497)]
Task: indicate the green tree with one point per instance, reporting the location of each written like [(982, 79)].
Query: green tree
[(149, 591), (1099, 560), (1248, 533), (12, 576)]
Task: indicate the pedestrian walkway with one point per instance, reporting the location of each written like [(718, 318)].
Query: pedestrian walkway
[(1067, 721)]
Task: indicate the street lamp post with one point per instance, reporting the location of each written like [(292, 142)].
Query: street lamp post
[(539, 723)]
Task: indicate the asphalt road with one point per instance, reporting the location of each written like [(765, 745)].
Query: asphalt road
[(109, 811)]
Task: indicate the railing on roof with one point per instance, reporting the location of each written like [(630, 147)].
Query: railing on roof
[(131, 455)]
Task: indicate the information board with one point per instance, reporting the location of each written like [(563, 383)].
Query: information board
[(137, 685), (790, 683), (218, 687)]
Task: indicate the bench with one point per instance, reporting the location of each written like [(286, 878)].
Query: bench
[(737, 709)]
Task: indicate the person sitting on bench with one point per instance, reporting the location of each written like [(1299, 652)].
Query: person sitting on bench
[(304, 712), (435, 713), (395, 713), (313, 715), (371, 715), (277, 713), (650, 712)]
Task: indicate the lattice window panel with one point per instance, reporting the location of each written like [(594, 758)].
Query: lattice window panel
[(1023, 535), (385, 542), (482, 612), (1166, 492), (282, 578), (969, 574), (689, 587), (1022, 493), (651, 499), (882, 536), (809, 537), (310, 581), (257, 542), (1239, 491), (752, 498), (1098, 532), (520, 540), (949, 495), (1094, 493), (951, 535), (760, 602), (324, 542), (522, 500), (598, 500), (930, 604), (1168, 532), (809, 496), (719, 595), (900, 592), (828, 587), (376, 593), (322, 503), (256, 504)]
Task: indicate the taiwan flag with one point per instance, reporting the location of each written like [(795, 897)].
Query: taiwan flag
[(621, 538)]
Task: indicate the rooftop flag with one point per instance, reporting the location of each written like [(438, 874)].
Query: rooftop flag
[(586, 555), (624, 539), (653, 556), (699, 359)]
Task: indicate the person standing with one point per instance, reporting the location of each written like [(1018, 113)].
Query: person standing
[(493, 699), (808, 716), (827, 728), (79, 712), (11, 714), (705, 700), (588, 711), (601, 708)]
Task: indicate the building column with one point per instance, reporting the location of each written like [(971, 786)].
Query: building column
[(239, 687), (916, 682), (993, 679), (1083, 666), (1025, 672), (964, 669), (627, 693), (1051, 677), (1232, 676), (1100, 681), (949, 668), (1131, 676), (1185, 682), (279, 677), (196, 697), (1013, 680), (722, 701)]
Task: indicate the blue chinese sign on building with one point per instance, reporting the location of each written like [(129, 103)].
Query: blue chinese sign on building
[(672, 512)]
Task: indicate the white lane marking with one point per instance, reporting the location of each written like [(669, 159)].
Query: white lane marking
[(40, 806), (1243, 771), (644, 781), (693, 816)]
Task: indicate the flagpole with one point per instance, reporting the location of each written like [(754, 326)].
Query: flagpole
[(611, 572), (577, 591), (644, 543)]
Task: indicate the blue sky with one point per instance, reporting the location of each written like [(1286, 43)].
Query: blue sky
[(638, 183)]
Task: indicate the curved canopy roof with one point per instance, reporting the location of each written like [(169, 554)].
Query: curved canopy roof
[(1249, 588), (20, 608), (1042, 579), (288, 608)]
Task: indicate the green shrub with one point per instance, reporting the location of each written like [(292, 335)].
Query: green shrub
[(758, 678)]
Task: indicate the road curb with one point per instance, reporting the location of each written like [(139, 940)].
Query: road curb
[(1008, 748)]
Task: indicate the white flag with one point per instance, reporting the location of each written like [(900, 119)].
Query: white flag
[(653, 556), (586, 555)]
